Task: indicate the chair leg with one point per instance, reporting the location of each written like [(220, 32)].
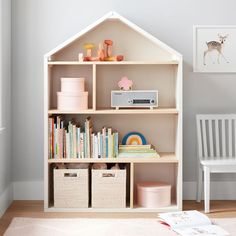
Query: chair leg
[(199, 185), (207, 189)]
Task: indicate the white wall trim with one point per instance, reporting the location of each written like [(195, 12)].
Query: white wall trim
[(6, 199), (29, 190), (33, 190)]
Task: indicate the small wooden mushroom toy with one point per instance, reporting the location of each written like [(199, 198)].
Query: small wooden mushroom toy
[(89, 47), (108, 44), (101, 52)]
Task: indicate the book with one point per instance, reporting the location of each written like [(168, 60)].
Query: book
[(137, 151), (188, 223)]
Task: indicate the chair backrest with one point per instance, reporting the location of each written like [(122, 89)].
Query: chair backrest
[(216, 136)]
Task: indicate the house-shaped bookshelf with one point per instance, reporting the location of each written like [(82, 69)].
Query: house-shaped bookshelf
[(151, 65)]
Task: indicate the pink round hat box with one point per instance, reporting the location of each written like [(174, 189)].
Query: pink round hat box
[(153, 194), (72, 85), (72, 101)]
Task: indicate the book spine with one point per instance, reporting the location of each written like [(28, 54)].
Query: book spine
[(64, 143), (60, 142), (104, 142), (49, 138), (55, 141), (74, 142), (82, 145), (107, 146), (92, 145), (78, 143), (99, 144), (117, 145), (109, 142), (67, 145), (96, 146)]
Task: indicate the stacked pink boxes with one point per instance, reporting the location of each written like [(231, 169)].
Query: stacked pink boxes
[(72, 95)]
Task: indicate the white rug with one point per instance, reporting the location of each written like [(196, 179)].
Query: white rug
[(98, 227)]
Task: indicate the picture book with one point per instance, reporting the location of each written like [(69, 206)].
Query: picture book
[(137, 151), (189, 223)]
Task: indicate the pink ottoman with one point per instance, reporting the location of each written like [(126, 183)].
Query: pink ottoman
[(153, 194)]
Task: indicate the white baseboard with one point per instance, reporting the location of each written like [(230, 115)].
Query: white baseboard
[(6, 199), (219, 190), (29, 190)]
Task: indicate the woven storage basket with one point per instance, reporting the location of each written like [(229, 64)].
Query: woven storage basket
[(108, 188), (71, 188)]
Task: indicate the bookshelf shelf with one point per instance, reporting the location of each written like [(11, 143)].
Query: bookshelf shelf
[(50, 63), (164, 158), (121, 111), (152, 65), (173, 207)]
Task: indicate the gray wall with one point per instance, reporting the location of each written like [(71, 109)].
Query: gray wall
[(39, 26), (5, 74)]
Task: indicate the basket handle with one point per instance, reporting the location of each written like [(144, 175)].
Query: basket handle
[(70, 175), (105, 175)]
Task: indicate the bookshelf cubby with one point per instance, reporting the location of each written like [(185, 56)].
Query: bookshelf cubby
[(151, 64)]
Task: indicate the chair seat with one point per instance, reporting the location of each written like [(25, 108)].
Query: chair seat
[(223, 162)]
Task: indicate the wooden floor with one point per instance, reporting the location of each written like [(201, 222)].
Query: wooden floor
[(219, 209)]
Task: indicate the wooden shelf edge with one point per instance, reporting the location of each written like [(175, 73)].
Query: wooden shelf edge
[(121, 210), (164, 158), (164, 62), (120, 111)]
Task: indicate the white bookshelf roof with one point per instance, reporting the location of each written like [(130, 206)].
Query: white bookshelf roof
[(115, 16)]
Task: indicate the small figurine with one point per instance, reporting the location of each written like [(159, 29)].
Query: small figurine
[(101, 52), (89, 47), (108, 44), (125, 83), (80, 57)]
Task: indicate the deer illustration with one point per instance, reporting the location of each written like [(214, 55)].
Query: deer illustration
[(218, 46)]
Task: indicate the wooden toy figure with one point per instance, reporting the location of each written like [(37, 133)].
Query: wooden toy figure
[(108, 44), (101, 52), (125, 83), (89, 47)]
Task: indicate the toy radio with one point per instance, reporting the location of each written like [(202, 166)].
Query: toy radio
[(134, 98)]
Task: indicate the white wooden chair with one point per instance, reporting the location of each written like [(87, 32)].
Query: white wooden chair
[(216, 136)]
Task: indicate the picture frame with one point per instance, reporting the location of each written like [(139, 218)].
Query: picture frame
[(214, 48)]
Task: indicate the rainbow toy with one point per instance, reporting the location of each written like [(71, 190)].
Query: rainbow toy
[(134, 138)]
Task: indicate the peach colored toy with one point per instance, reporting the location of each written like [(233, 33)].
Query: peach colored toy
[(72, 101), (125, 83), (108, 44), (74, 85), (101, 52), (153, 194)]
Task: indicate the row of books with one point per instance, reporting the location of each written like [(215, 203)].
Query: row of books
[(73, 141)]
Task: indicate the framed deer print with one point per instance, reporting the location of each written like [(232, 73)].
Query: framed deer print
[(214, 49)]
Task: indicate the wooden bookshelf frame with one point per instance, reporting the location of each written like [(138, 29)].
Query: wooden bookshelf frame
[(168, 64)]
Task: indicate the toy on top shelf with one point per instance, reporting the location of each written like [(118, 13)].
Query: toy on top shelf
[(89, 47), (102, 54), (108, 44), (125, 83)]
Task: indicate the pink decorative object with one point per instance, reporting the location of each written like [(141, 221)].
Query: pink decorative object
[(125, 83), (153, 194), (72, 101), (74, 85)]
